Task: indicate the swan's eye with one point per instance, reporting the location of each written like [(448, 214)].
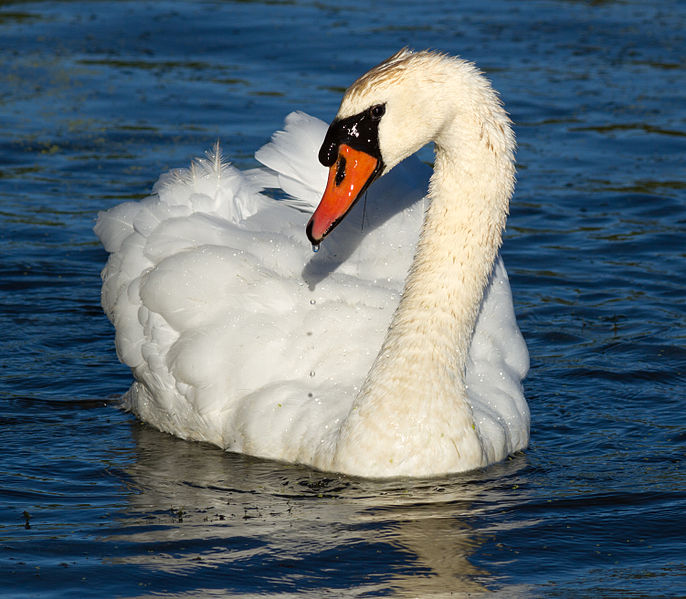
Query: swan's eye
[(377, 111)]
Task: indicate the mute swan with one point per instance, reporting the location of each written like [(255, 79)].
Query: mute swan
[(237, 334)]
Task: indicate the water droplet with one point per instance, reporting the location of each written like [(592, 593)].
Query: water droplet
[(315, 247), (313, 301), (311, 372)]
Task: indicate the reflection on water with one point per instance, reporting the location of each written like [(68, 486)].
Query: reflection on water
[(194, 510)]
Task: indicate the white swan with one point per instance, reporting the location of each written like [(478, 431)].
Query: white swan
[(237, 334)]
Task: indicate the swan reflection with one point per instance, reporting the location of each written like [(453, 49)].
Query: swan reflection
[(236, 524)]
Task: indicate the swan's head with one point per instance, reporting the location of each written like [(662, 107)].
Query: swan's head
[(385, 116)]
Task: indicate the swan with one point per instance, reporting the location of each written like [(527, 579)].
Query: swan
[(394, 349)]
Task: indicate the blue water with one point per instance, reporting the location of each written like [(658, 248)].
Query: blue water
[(98, 98)]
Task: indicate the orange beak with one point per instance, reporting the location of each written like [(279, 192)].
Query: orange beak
[(349, 176)]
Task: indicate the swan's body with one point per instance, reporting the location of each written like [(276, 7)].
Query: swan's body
[(238, 335)]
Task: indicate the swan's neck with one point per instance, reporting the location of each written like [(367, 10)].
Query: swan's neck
[(414, 397)]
